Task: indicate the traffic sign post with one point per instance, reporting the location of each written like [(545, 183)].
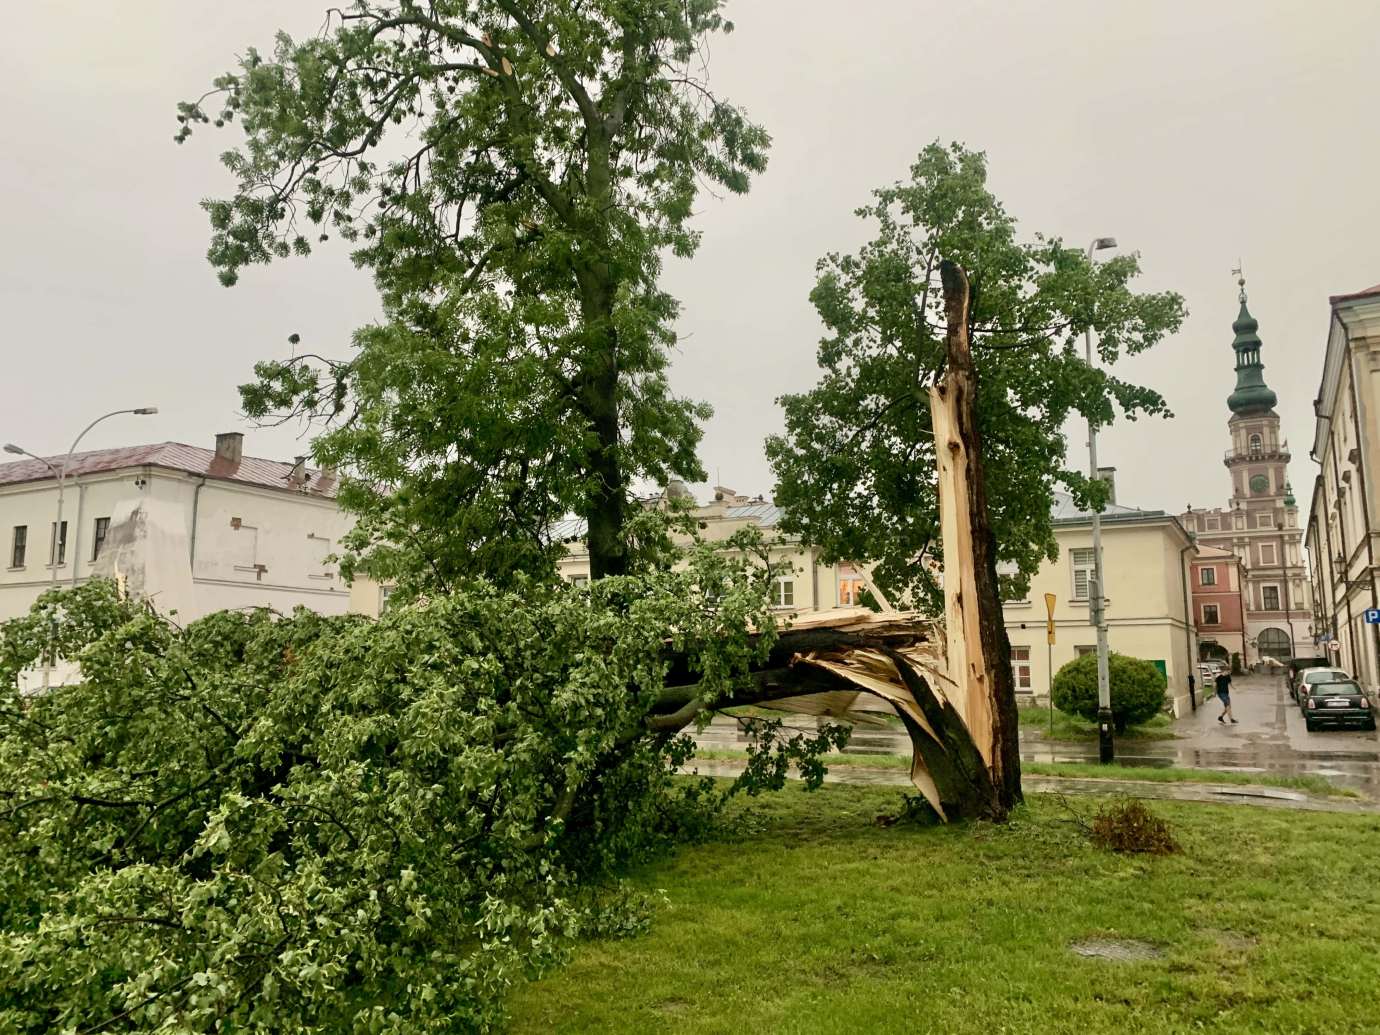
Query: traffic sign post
[(1049, 655)]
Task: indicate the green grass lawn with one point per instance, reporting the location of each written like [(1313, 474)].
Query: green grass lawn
[(1074, 727), (1085, 771), (822, 921)]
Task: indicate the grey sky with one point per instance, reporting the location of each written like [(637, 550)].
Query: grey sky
[(1196, 133)]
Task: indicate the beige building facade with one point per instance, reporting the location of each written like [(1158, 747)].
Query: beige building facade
[(1146, 562), (1344, 518)]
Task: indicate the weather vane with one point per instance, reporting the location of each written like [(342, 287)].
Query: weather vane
[(1240, 280)]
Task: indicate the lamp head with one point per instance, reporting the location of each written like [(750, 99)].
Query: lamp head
[(144, 410), (1104, 242), (10, 447)]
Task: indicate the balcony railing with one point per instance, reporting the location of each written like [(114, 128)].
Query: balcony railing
[(1280, 452)]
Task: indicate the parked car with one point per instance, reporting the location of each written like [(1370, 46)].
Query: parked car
[(1311, 677), (1343, 703), (1297, 665)]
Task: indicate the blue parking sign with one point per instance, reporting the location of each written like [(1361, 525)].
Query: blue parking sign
[(1373, 616)]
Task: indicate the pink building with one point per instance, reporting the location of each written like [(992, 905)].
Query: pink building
[(1218, 609)]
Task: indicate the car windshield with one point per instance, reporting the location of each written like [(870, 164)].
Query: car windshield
[(1330, 689), (1324, 676)]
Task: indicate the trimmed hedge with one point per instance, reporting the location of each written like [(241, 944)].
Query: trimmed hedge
[(1137, 689)]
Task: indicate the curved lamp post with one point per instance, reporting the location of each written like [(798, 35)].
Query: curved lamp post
[(61, 475)]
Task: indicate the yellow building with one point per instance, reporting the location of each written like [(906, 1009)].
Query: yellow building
[(1146, 557), (810, 584)]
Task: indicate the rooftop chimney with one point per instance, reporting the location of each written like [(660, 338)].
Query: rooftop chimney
[(298, 475), (230, 446), (1108, 475)]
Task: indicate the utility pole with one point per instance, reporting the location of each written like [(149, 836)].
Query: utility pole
[(1096, 600)]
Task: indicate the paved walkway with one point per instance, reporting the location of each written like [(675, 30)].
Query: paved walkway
[(1269, 738)]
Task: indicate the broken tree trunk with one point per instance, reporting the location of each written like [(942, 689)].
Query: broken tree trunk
[(979, 654), (952, 689)]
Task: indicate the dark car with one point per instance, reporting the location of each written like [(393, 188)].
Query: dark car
[(1338, 704), (1297, 665), (1309, 677)]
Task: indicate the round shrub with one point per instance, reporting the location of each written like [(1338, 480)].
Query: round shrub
[(1137, 689)]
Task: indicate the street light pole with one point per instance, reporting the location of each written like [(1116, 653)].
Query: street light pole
[(58, 537), (1284, 577), (1097, 599)]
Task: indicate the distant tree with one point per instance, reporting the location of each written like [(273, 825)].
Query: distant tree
[(511, 172), (1137, 689), (855, 469)]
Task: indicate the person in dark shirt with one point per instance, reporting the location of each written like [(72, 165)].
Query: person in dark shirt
[(1224, 695)]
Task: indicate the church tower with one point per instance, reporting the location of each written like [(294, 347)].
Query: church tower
[(1259, 526), (1258, 459)]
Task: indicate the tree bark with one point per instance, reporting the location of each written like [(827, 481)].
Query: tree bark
[(979, 652)]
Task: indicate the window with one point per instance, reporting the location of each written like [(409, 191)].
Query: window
[(57, 549), (1083, 649), (1269, 598), (579, 581), (384, 593), (1020, 669), (850, 592), (1265, 520), (1267, 553), (98, 537), (1210, 615), (1082, 572), (19, 546), (1207, 576), (783, 592), (1214, 524), (1255, 444)]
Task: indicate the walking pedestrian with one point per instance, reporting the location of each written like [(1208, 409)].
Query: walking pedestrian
[(1224, 695)]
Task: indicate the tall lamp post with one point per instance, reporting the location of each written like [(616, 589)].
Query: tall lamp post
[(1097, 602), (58, 538)]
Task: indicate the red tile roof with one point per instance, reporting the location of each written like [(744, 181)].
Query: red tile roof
[(175, 456)]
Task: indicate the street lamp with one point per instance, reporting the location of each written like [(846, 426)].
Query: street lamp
[(1096, 603), (61, 475)]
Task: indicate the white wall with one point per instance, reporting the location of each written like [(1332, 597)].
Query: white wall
[(286, 533)]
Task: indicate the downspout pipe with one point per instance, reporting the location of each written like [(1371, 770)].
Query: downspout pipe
[(191, 538), (1189, 634)]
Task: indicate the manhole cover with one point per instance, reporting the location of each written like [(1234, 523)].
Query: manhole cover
[(1116, 949)]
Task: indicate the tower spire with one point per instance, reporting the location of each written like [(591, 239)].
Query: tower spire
[(1252, 395)]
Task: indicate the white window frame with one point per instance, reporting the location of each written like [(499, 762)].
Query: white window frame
[(1021, 673), (1273, 559), (1207, 576), (1081, 561), (1279, 598), (579, 581), (783, 591)]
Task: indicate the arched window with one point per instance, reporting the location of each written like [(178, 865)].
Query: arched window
[(1256, 445), (1274, 643)]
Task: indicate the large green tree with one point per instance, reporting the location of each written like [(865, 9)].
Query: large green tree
[(512, 172), (855, 469)]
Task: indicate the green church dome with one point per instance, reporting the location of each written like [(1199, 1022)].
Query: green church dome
[(1252, 394)]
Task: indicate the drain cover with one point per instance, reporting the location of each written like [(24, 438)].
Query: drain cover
[(1124, 949)]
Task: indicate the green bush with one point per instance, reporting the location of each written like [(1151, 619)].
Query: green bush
[(1137, 689)]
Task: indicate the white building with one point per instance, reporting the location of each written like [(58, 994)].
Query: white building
[(1344, 517), (198, 530)]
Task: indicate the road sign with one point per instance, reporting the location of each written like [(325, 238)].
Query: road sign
[(1049, 622), (1334, 645), (1373, 616)]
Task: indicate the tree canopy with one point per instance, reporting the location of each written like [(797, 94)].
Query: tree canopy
[(512, 174), (855, 468)]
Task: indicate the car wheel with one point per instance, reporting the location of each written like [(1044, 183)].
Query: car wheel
[(1309, 725), (1369, 727)]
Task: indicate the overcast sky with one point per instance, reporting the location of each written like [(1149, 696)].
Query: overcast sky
[(1195, 133)]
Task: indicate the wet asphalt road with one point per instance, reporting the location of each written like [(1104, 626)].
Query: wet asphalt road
[(1269, 738)]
